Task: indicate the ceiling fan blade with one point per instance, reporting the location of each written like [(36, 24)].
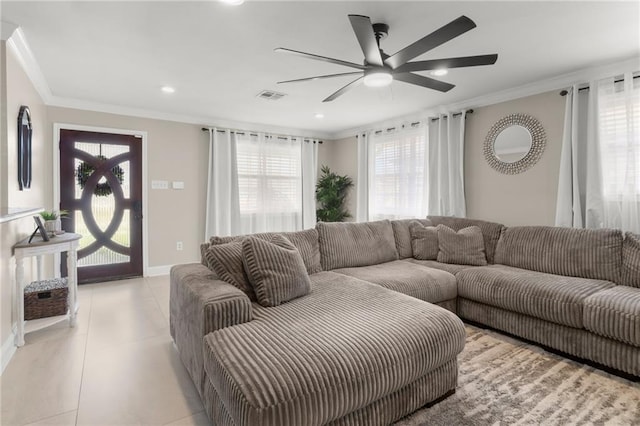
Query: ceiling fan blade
[(420, 80), (442, 35), (320, 77), (344, 89), (467, 61), (320, 58), (364, 33)]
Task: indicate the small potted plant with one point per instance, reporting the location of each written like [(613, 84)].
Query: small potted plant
[(52, 222)]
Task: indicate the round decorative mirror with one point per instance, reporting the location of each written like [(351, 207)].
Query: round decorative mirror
[(514, 144)]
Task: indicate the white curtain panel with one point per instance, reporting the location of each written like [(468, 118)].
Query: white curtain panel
[(269, 183), (223, 207), (309, 178), (619, 131), (362, 180), (446, 166), (398, 173), (599, 182)]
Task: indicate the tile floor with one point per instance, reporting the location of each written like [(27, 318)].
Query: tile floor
[(117, 366)]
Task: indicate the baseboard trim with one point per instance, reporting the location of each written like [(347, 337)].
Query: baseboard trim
[(8, 349), (154, 271)]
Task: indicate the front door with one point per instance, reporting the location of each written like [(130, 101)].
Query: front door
[(101, 189)]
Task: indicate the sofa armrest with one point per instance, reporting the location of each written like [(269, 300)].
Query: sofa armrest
[(199, 304)]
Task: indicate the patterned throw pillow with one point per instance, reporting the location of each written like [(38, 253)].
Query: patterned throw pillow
[(226, 261), (424, 241), (275, 269), (465, 247)]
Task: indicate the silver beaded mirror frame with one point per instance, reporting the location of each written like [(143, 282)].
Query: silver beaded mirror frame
[(538, 143)]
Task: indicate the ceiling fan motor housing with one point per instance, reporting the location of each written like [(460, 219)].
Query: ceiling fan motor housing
[(381, 31)]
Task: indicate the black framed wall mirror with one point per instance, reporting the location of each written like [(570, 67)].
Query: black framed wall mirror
[(24, 148)]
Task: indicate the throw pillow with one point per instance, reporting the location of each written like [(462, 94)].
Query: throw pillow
[(465, 247), (424, 241), (226, 261), (275, 269)]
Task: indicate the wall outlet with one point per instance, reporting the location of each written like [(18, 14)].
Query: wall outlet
[(179, 245)]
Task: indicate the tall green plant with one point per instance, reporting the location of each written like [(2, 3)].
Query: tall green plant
[(331, 192)]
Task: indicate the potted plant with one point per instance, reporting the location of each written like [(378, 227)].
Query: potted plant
[(52, 220), (331, 193)]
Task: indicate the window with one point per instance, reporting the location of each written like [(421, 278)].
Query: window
[(619, 127), (269, 183), (397, 179)]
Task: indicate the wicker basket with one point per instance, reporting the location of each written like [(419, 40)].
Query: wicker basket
[(46, 298)]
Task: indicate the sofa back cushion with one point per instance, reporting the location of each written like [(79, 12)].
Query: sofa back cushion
[(631, 260), (490, 231), (585, 253), (275, 269), (402, 235), (305, 241), (465, 247), (345, 245)]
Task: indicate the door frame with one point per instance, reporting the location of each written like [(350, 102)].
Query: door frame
[(57, 127)]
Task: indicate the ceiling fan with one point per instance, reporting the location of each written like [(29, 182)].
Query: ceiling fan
[(380, 69)]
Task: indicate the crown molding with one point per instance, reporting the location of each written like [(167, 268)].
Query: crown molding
[(6, 30), (554, 83), (205, 121), (19, 46)]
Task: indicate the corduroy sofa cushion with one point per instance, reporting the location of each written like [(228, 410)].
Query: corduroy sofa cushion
[(631, 260), (317, 358), (275, 269), (424, 241), (402, 235), (226, 261), (584, 253), (554, 298), (305, 241), (490, 230), (430, 285), (449, 267), (614, 313), (345, 245), (465, 247)]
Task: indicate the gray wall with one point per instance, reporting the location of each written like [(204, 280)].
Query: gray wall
[(528, 198)]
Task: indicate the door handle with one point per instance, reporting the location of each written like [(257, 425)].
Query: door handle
[(137, 210)]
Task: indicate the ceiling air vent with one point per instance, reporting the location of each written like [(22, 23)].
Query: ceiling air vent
[(270, 95)]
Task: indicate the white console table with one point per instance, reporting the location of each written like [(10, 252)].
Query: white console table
[(60, 243)]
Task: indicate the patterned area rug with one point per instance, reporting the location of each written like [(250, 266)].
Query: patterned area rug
[(505, 381)]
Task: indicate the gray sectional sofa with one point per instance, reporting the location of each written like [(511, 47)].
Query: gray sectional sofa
[(376, 336)]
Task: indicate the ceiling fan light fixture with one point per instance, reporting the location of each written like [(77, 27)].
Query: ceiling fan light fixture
[(440, 72), (378, 78)]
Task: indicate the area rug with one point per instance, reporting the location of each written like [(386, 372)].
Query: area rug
[(503, 381)]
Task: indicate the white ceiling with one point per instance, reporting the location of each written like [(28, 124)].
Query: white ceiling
[(219, 57)]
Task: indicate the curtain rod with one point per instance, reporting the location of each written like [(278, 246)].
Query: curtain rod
[(415, 123), (238, 132), (565, 92)]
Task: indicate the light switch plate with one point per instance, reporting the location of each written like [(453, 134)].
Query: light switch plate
[(178, 185), (159, 184)]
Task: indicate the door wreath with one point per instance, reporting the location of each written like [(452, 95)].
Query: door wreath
[(102, 189)]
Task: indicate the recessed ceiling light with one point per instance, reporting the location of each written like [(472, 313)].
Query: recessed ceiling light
[(440, 72), (167, 89), (232, 2), (319, 115)]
